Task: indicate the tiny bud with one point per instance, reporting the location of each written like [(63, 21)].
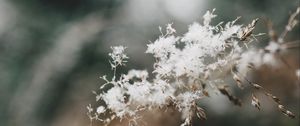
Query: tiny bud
[(238, 81), (205, 93), (256, 86), (286, 112), (255, 102), (276, 99)]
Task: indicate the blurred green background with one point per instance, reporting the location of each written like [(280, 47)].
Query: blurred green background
[(52, 53)]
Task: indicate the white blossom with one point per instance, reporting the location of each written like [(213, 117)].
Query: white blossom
[(118, 55), (207, 17), (100, 109), (182, 65)]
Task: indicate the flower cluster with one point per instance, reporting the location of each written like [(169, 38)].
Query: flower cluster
[(118, 56), (185, 67)]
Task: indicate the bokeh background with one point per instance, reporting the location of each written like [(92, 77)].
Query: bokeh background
[(52, 53)]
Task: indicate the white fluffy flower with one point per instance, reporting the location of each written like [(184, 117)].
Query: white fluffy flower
[(118, 55), (182, 66), (162, 47), (207, 17), (100, 110), (114, 98)]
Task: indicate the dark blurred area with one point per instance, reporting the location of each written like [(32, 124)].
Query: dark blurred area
[(52, 53)]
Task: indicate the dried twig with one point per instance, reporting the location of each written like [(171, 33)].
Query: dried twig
[(247, 31), (256, 103), (291, 24)]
